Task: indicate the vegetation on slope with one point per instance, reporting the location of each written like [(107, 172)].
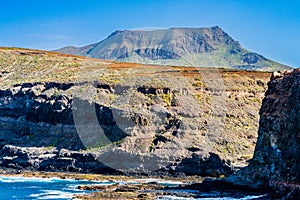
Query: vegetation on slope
[(193, 47), (241, 93)]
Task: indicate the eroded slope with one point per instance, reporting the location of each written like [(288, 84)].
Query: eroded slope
[(131, 117)]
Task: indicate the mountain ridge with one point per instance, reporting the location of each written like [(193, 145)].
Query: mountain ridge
[(198, 47)]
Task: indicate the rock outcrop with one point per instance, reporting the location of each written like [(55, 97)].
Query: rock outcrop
[(274, 169), (51, 159), (132, 118), (278, 145), (278, 141), (154, 130), (276, 162)]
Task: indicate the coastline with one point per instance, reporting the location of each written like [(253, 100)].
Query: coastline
[(142, 187), (94, 177), (124, 187)]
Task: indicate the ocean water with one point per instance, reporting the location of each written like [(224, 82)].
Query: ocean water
[(41, 188), (54, 188), (211, 198)]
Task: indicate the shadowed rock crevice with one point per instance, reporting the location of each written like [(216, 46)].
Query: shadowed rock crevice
[(203, 165)]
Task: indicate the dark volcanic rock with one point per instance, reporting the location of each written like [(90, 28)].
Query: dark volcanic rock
[(204, 165), (276, 161), (275, 166), (42, 128), (278, 141), (146, 129), (51, 159), (29, 100)]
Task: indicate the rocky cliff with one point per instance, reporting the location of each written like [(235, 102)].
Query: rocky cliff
[(61, 112), (276, 158), (278, 142), (274, 168)]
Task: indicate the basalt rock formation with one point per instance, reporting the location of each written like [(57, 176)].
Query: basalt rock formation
[(274, 169), (276, 160), (275, 166), (60, 112), (278, 142)]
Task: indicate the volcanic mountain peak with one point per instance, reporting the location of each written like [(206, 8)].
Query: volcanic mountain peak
[(199, 47)]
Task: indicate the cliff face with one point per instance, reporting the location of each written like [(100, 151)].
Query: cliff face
[(72, 113), (276, 163), (169, 135), (278, 145)]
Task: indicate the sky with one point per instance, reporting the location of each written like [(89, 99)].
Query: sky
[(268, 27)]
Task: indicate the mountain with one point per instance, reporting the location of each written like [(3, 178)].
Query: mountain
[(198, 47)]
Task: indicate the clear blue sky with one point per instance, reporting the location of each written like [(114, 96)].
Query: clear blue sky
[(268, 27)]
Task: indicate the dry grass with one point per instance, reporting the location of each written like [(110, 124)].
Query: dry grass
[(242, 93)]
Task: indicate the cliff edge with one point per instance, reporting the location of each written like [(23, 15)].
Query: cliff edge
[(67, 113), (275, 165)]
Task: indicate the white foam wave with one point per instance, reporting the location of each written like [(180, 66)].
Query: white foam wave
[(159, 181), (20, 179), (169, 197), (55, 194)]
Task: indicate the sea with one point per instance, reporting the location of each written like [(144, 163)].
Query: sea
[(39, 188), (55, 188)]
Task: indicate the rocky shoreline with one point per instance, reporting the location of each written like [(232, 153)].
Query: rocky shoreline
[(148, 187), (176, 124)]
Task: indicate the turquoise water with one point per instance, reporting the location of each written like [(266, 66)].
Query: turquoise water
[(212, 198), (54, 188), (40, 188)]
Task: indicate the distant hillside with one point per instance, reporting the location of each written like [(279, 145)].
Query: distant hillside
[(199, 47)]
